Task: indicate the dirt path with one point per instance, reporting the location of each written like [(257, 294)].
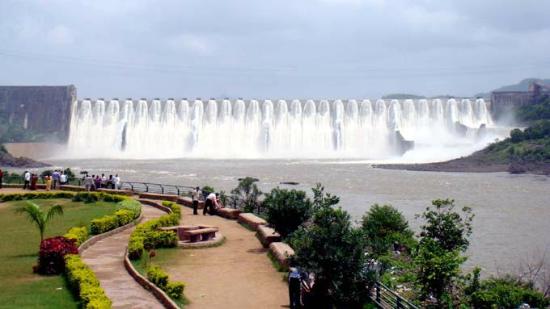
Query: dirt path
[(237, 274), (106, 259)]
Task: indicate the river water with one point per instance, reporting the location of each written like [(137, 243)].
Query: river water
[(512, 212)]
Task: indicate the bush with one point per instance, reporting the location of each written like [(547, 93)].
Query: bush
[(124, 216), (103, 224), (34, 195), (383, 226), (52, 252), (145, 236), (129, 210), (507, 292), (157, 276), (78, 234), (135, 247), (85, 284), (175, 289), (287, 210), (161, 279)]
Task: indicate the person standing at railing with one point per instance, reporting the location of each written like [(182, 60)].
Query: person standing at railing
[(56, 178), (27, 180), (63, 179), (117, 182), (195, 196)]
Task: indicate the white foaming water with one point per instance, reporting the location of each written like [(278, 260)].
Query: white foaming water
[(278, 129)]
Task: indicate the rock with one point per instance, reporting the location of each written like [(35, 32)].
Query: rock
[(6, 159), (401, 144)]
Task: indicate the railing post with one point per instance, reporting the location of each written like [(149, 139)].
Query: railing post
[(146, 187), (398, 302), (377, 287), (177, 188), (162, 189)]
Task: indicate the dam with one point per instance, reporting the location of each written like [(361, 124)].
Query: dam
[(251, 129)]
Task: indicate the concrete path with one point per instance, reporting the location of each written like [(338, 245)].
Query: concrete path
[(106, 258), (237, 274)]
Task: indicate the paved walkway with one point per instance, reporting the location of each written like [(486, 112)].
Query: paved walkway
[(237, 274), (106, 258)]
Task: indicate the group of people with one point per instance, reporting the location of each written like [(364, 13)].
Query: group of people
[(53, 181), (211, 201), (94, 182)]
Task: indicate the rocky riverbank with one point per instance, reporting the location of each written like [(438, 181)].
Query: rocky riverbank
[(8, 160)]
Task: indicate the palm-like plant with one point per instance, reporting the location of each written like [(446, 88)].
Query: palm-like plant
[(39, 217)]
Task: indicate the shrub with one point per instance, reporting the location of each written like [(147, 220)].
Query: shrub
[(84, 283), (145, 235), (161, 279), (160, 239), (287, 210), (103, 224), (384, 225), (507, 292), (52, 252), (78, 234), (157, 276), (175, 289), (124, 216), (135, 247)]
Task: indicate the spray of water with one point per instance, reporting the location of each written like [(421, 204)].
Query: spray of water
[(145, 129)]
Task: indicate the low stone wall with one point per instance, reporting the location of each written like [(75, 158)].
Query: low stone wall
[(281, 252), (229, 213), (251, 220), (72, 188), (157, 196), (267, 235), (166, 301), (115, 191), (155, 204)]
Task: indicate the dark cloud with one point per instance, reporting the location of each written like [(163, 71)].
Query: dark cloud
[(308, 48)]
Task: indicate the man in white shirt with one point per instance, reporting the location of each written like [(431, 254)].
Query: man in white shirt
[(27, 178), (195, 196), (117, 182), (63, 178)]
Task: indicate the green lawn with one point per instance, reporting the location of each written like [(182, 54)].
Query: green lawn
[(19, 244)]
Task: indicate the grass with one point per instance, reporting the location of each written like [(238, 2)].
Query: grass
[(20, 240), (163, 257)]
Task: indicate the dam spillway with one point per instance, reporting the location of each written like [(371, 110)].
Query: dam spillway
[(364, 129)]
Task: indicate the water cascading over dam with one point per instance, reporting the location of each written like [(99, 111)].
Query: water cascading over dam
[(271, 128)]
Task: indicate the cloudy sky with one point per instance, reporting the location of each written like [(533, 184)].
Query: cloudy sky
[(275, 48)]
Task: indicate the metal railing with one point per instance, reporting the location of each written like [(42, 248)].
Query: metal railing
[(386, 298), (146, 187)]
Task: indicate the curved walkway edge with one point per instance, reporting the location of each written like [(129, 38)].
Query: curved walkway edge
[(106, 258)]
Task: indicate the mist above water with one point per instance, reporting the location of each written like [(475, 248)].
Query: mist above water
[(308, 129)]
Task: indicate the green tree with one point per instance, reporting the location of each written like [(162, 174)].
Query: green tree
[(450, 229), (437, 270), (39, 217), (444, 235), (382, 226), (246, 195), (287, 210), (322, 199), (332, 249)]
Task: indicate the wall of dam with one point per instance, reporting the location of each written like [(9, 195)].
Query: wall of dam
[(44, 110)]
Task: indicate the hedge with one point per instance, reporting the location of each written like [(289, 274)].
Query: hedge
[(130, 210), (146, 235), (34, 195), (161, 279), (78, 234), (85, 284)]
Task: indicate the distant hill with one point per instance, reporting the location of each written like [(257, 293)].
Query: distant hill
[(524, 84), (402, 96)]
